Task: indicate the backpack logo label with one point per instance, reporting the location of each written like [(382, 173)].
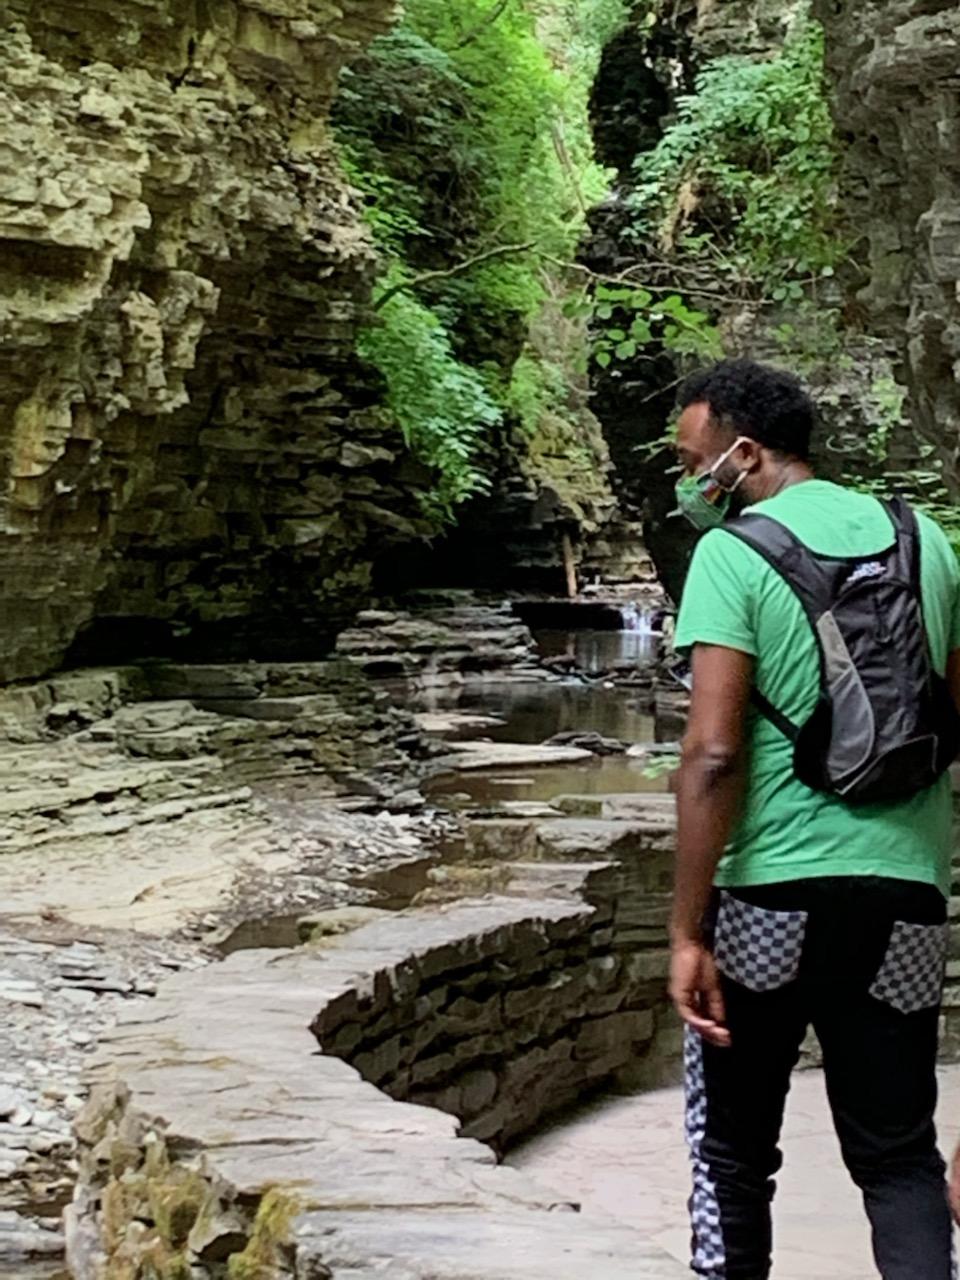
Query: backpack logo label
[(870, 569)]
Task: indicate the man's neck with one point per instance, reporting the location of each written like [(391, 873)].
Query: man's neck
[(782, 475)]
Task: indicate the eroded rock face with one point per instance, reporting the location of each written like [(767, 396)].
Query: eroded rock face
[(893, 64), (189, 446)]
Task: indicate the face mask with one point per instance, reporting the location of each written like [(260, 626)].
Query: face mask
[(703, 499)]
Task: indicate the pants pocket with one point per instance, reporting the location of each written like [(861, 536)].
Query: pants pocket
[(911, 975), (757, 947)]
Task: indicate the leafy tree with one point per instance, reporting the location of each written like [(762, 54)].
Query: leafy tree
[(466, 130)]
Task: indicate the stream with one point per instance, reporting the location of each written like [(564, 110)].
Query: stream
[(622, 711)]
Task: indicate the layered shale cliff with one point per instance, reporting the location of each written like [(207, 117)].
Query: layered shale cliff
[(893, 66), (204, 444), (190, 449)]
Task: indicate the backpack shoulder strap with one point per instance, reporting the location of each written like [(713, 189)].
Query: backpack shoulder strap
[(789, 558), (807, 576), (908, 549)]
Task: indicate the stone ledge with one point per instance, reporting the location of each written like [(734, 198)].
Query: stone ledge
[(213, 1119)]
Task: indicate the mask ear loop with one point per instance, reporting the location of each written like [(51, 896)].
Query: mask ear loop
[(719, 463)]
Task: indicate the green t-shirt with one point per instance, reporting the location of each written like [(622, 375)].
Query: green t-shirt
[(734, 598)]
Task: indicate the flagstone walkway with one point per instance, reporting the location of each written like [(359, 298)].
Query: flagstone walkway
[(625, 1157)]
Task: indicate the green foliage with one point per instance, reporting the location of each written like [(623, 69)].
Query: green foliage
[(923, 486), (640, 319), (441, 404), (886, 401), (744, 179), (466, 129), (926, 491), (813, 337), (737, 201)]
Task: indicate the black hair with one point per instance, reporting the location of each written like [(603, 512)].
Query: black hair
[(768, 405)]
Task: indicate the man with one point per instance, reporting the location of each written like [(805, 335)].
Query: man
[(793, 906)]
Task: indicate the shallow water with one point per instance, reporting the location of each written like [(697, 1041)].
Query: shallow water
[(535, 711), (601, 775), (598, 651)]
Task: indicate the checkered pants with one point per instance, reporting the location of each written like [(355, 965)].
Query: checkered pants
[(860, 959)]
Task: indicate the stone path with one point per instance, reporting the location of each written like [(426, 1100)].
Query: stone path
[(625, 1157)]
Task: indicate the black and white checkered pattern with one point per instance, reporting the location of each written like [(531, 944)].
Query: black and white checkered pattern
[(709, 1255), (758, 948), (911, 975)]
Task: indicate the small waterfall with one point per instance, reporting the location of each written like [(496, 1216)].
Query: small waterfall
[(638, 618)]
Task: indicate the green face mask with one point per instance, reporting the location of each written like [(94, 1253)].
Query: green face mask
[(703, 499)]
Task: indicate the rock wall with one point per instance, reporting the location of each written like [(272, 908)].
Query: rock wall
[(893, 66), (190, 451)]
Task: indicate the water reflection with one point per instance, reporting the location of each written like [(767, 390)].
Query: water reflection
[(607, 775), (536, 711), (598, 651)]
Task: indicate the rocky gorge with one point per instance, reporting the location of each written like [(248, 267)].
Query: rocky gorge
[(334, 841)]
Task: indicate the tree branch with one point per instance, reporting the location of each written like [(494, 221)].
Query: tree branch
[(487, 21), (623, 281), (499, 251)]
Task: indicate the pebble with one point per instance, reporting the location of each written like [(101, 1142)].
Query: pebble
[(78, 996), (10, 1101), (13, 1140), (23, 993), (117, 986), (43, 1143)]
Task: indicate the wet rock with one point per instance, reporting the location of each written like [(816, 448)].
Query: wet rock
[(405, 802), (448, 724), (595, 743), (439, 642), (643, 806), (560, 662), (498, 755)]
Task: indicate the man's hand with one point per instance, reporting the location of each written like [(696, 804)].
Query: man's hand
[(955, 1185), (695, 991)]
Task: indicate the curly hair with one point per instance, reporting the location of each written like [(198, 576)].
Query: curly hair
[(768, 405)]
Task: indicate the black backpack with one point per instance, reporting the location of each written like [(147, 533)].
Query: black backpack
[(885, 726)]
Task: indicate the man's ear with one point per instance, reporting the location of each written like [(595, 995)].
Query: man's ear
[(748, 455)]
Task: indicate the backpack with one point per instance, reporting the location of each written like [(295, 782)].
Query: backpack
[(885, 725)]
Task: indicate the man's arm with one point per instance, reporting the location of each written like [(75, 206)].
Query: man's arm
[(709, 791)]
